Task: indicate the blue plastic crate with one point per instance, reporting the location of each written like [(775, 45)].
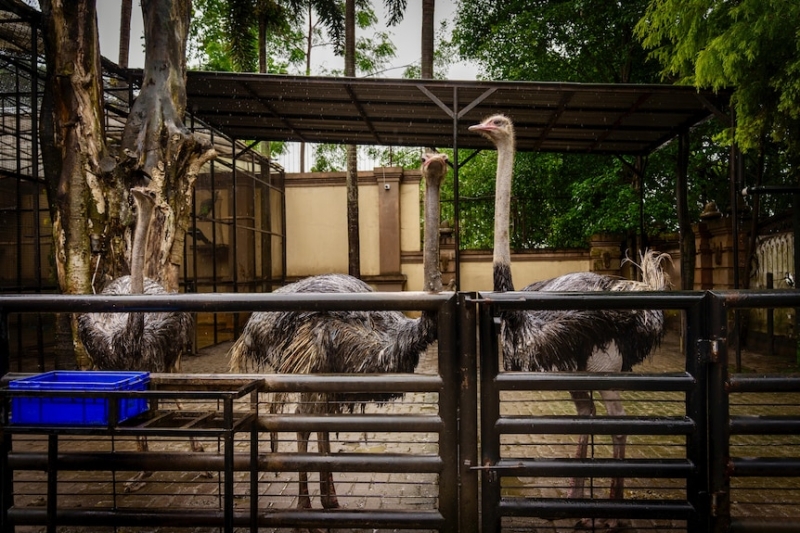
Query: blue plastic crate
[(62, 410)]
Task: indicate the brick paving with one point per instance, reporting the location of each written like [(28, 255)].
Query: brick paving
[(404, 491)]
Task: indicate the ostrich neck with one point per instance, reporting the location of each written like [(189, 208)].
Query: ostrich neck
[(502, 206), (430, 244), (143, 214)]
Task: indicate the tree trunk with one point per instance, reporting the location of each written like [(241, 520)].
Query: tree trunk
[(353, 241), (75, 159), (426, 67), (87, 189), (157, 148), (125, 32)]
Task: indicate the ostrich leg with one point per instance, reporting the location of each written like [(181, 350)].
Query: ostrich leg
[(327, 491), (303, 499), (585, 407)]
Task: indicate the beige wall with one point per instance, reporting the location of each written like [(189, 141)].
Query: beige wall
[(316, 221)]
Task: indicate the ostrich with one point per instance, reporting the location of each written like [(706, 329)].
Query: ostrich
[(344, 341), (151, 342), (571, 340)]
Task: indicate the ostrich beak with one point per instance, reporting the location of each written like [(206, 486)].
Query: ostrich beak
[(481, 127)]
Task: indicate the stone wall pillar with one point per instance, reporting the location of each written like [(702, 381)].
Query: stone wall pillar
[(605, 256)]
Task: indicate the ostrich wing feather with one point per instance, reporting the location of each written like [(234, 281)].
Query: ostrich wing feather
[(539, 340), (308, 342)]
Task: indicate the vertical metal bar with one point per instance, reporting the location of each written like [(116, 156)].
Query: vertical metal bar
[(52, 481), (254, 471), (490, 414), (697, 355), (228, 443), (718, 414), (771, 317), (456, 203), (214, 238), (448, 411), (234, 238), (468, 413), (796, 246), (6, 476)]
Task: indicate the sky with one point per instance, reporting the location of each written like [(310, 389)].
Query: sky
[(405, 37)]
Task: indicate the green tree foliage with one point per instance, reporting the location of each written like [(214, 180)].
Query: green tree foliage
[(560, 200), (549, 40), (748, 45)]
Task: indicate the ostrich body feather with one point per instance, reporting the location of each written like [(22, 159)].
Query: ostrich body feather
[(537, 340), (112, 344), (310, 342)]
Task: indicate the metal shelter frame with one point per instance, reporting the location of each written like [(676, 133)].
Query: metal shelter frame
[(581, 118)]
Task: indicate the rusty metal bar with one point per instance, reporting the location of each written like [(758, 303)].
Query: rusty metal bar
[(600, 425), (469, 500), (448, 415), (763, 383), (718, 413), (147, 517), (568, 381), (661, 468), (242, 462), (490, 413), (224, 303), (582, 508), (765, 467), (398, 423)]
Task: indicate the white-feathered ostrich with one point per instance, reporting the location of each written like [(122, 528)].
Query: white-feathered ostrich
[(146, 342), (571, 340), (344, 341)]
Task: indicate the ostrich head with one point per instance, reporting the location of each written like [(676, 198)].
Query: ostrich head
[(434, 168), (497, 128)]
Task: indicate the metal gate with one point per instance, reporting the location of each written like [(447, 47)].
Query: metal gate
[(683, 471), (481, 449)]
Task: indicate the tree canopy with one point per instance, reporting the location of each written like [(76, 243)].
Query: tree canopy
[(750, 46), (560, 200)]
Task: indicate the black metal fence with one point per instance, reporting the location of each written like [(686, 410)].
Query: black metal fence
[(707, 449)]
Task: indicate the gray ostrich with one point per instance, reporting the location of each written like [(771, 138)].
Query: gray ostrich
[(147, 342), (344, 341), (571, 340)]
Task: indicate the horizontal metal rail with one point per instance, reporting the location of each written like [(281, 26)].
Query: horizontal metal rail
[(359, 423), (582, 508), (224, 303), (601, 425), (147, 517), (655, 468), (569, 381), (763, 383), (764, 425), (520, 300), (215, 462), (764, 466)]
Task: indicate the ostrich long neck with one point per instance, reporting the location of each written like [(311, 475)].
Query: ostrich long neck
[(502, 205), (430, 245), (144, 211)]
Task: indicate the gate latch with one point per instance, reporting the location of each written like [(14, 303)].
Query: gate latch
[(709, 349)]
